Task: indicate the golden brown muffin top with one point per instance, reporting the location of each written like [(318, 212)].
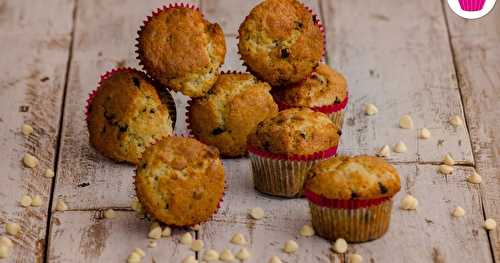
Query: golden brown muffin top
[(126, 115), (280, 41), (296, 131), (230, 111), (325, 86), (180, 181), (178, 43), (358, 177)]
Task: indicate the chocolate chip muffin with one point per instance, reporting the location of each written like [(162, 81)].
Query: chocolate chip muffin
[(281, 42), (125, 115), (283, 149), (181, 49), (351, 197), (230, 111), (325, 90), (180, 181)]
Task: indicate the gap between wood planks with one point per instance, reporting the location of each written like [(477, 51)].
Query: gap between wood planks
[(60, 133), (462, 103)]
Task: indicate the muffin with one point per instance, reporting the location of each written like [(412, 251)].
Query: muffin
[(325, 90), (281, 41), (230, 111), (283, 149), (180, 181), (351, 197), (125, 115), (181, 49)]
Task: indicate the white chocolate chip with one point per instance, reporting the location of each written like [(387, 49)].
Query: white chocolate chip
[(36, 201), (458, 212), (152, 244), (186, 239), (109, 214), (306, 231), (290, 246), (385, 151), (140, 252), (257, 213), (155, 233), (474, 178), (275, 259), (243, 254), (12, 228), (61, 206), (197, 245), (400, 147), (424, 133), (4, 252), (25, 201), (340, 246), (190, 259), (134, 257), (490, 224), (26, 129), (456, 121), (30, 160), (445, 169), (370, 109), (211, 255), (5, 241), (406, 122), (448, 160), (227, 256), (167, 231), (409, 203), (238, 239), (49, 173), (355, 258)]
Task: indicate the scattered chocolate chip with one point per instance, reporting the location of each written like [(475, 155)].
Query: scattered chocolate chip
[(83, 185), (303, 135), (337, 100), (143, 166), (109, 116), (298, 25), (217, 131), (123, 128), (152, 111), (136, 81), (354, 195), (382, 187), (285, 53), (24, 108), (44, 79)]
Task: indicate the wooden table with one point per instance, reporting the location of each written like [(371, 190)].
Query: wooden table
[(407, 57)]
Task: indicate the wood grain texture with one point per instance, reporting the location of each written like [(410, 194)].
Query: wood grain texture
[(84, 236), (429, 234), (397, 56), (477, 57), (34, 48)]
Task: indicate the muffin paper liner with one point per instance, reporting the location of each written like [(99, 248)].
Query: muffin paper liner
[(334, 111), (471, 5), (364, 223), (165, 96), (283, 175)]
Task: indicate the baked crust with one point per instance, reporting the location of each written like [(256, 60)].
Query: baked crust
[(182, 50), (180, 181), (358, 177), (126, 115), (280, 42), (230, 111), (296, 131), (324, 86)]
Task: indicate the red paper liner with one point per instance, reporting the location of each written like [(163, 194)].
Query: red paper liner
[(315, 156), (324, 109), (341, 203)]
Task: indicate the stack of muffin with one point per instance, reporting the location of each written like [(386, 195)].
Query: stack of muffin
[(286, 113)]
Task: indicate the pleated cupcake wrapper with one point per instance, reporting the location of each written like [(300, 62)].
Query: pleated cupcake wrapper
[(352, 224), (281, 175), (471, 5), (155, 13), (163, 93)]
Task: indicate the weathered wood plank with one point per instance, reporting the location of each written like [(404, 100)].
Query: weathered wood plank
[(84, 236), (397, 56), (34, 48), (414, 236), (477, 56)]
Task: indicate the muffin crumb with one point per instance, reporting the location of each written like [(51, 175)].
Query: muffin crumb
[(424, 133), (197, 245), (370, 109), (406, 122), (290, 246), (25, 201), (275, 259), (211, 255), (340, 246), (140, 252), (227, 256), (458, 212), (445, 169), (306, 231), (355, 258), (400, 147), (12, 228), (36, 201), (4, 252), (409, 203), (474, 178), (196, 227), (49, 173), (456, 121), (26, 129), (243, 254), (448, 160), (61, 205), (109, 214), (134, 257), (490, 224), (152, 244), (190, 259), (385, 151), (186, 239), (257, 213), (30, 161)]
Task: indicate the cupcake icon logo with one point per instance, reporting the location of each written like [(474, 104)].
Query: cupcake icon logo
[(471, 9)]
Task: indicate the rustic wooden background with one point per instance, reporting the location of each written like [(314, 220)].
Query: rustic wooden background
[(407, 57)]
